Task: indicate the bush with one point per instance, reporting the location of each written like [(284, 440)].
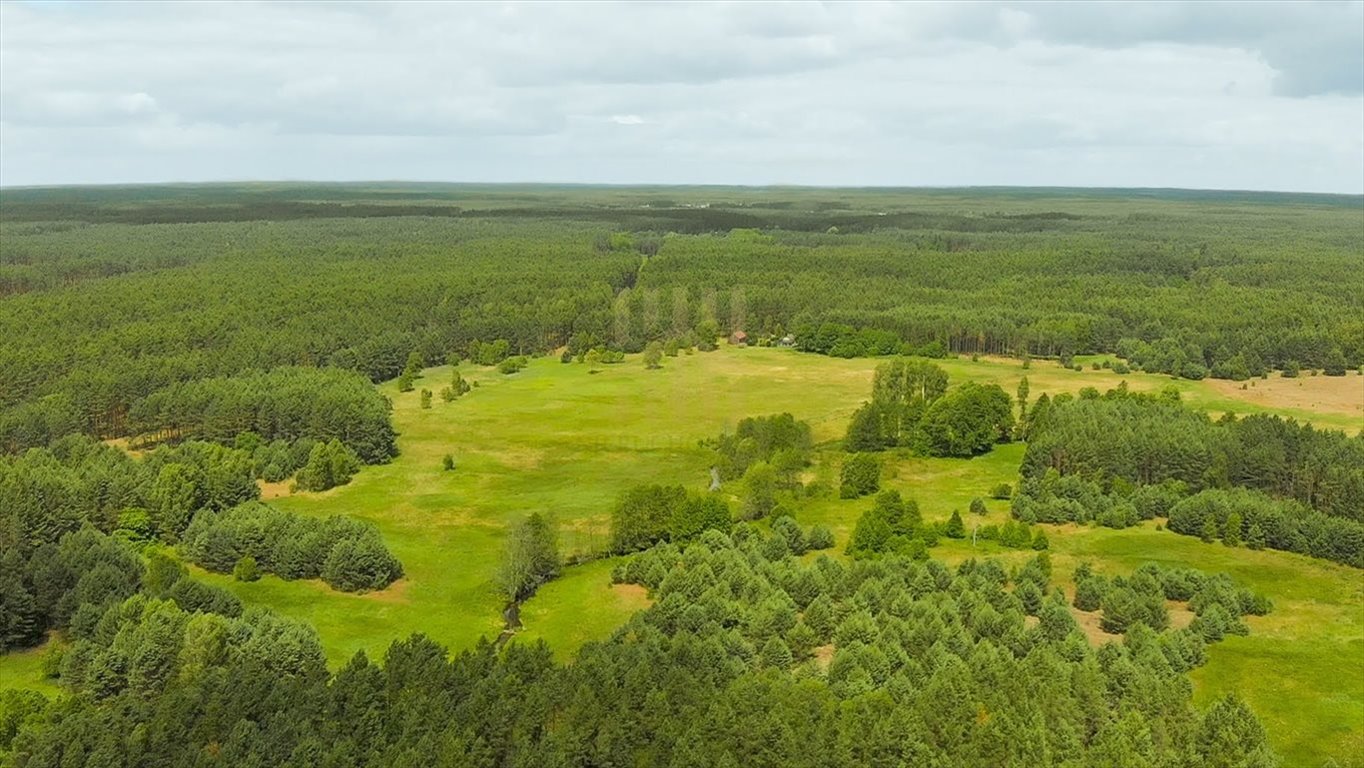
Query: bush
[(791, 533), (820, 537), (512, 364), (360, 564), (245, 569), (1002, 491)]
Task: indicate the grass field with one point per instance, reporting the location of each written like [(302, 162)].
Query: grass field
[(560, 439), (24, 669)]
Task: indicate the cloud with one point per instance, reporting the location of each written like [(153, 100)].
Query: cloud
[(1258, 95)]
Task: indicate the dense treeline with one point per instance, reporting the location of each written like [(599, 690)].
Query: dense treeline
[(283, 403), (99, 314), (71, 583), (1125, 438), (48, 492), (258, 295), (1119, 458), (1043, 295), (747, 657), (1241, 517)]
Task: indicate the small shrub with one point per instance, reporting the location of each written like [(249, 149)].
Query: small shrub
[(820, 537), (512, 364), (246, 569)]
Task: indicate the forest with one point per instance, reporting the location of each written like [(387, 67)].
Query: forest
[(923, 654), (1259, 481), (102, 303), (485, 476)]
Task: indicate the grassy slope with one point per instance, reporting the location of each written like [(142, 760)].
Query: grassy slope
[(557, 438)]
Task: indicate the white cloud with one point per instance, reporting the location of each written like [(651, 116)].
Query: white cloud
[(1203, 95)]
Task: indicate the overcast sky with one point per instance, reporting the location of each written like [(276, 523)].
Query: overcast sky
[(1207, 95)]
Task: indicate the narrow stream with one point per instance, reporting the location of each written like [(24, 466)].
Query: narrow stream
[(511, 621)]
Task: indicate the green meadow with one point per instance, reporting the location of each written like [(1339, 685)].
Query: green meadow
[(563, 439), (566, 440)]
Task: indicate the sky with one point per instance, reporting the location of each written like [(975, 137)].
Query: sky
[(1255, 95)]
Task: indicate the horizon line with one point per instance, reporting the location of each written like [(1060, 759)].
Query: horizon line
[(664, 185)]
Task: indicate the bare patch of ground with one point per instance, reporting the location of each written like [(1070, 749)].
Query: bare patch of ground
[(824, 655), (277, 490), (1180, 615), (1323, 394), (1089, 624)]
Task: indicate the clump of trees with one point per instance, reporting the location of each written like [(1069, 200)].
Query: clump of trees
[(648, 514), (530, 557), (489, 353), (47, 493), (911, 406), (968, 420), (347, 554), (835, 649), (780, 440), (68, 584), (892, 526), (457, 388), (902, 391), (329, 464), (1217, 602), (842, 340)]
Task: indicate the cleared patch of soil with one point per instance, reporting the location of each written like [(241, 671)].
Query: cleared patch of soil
[(1089, 624), (1180, 615), (824, 655), (270, 491)]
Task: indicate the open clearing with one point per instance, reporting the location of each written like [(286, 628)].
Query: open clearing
[(556, 438), (1318, 395)]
